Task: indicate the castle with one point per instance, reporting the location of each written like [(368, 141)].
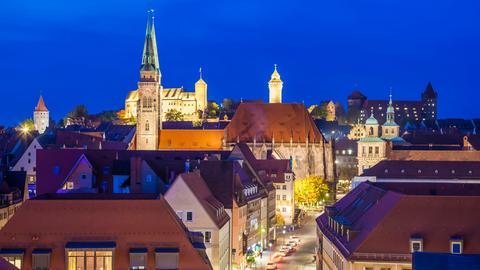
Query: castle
[(190, 104)]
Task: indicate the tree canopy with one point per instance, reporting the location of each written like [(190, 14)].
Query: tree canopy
[(310, 191), (173, 115)]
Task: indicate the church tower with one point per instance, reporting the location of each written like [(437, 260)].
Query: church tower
[(390, 128), (201, 93), (275, 86), (41, 116), (149, 88)]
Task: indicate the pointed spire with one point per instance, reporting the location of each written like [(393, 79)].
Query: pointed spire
[(41, 105), (429, 91), (200, 80), (275, 75), (150, 55)]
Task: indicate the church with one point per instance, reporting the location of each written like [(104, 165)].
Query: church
[(190, 104), (271, 130)]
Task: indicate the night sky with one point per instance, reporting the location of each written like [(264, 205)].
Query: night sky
[(89, 51)]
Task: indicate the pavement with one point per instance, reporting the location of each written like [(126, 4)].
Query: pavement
[(302, 258)]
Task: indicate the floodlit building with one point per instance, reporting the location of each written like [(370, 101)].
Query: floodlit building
[(275, 87), (41, 116)]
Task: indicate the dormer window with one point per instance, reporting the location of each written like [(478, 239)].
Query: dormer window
[(436, 171), (402, 171), (456, 246), (416, 245), (453, 171), (419, 171)]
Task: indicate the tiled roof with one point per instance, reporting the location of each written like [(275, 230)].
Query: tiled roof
[(279, 121), (145, 221), (422, 169), (384, 220), (356, 95), (190, 139), (41, 105), (210, 204)]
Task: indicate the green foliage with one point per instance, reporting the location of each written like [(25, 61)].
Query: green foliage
[(320, 112), (173, 115), (310, 190), (78, 111), (108, 116)]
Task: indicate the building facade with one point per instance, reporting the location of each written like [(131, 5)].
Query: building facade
[(200, 211), (41, 116), (161, 100)]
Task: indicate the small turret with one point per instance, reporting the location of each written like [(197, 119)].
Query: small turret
[(41, 116), (201, 93), (275, 86)]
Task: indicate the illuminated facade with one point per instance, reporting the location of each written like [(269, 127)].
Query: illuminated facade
[(190, 104), (275, 86), (41, 116)]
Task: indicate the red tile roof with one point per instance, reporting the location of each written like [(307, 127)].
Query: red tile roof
[(279, 121), (212, 206), (385, 219), (41, 105), (140, 222)]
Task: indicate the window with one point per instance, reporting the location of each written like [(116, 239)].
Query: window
[(106, 170), (367, 268), (69, 185), (208, 236), (16, 258), (385, 268), (456, 246), (40, 260), (166, 258), (189, 216), (278, 197), (147, 126), (148, 178), (284, 197), (83, 176), (90, 259), (416, 245), (370, 150), (138, 258), (284, 187), (284, 209), (180, 215), (56, 169), (377, 150)]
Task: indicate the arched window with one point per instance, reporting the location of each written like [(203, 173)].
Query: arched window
[(371, 130), (147, 126)]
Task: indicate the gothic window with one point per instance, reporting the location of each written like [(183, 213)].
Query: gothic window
[(147, 126)]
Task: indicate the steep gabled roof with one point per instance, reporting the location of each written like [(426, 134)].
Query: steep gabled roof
[(272, 122), (207, 200)]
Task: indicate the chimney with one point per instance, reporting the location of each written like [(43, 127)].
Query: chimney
[(135, 174)]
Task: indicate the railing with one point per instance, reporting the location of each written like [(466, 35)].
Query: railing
[(382, 257)]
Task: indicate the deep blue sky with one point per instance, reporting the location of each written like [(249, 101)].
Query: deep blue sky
[(88, 51)]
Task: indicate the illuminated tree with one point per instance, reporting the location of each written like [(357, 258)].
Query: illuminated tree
[(173, 115), (310, 191), (26, 125)]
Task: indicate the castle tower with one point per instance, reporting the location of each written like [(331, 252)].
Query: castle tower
[(41, 116), (275, 86), (429, 103), (149, 89), (390, 128), (331, 112), (201, 93)]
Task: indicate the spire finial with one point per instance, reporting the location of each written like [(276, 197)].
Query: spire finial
[(200, 71), (275, 66), (371, 112)]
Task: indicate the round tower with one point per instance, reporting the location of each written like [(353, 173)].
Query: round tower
[(201, 93), (275, 86)]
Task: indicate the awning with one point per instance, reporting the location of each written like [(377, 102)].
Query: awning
[(166, 250), (138, 250), (16, 251), (84, 245), (42, 251)]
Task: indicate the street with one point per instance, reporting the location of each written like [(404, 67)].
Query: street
[(302, 258)]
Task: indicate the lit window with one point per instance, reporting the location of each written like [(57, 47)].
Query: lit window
[(13, 256), (82, 259), (69, 185), (284, 197)]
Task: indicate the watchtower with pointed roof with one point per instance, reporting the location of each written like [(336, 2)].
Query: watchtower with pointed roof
[(429, 102), (149, 89), (41, 116), (201, 93), (275, 86)]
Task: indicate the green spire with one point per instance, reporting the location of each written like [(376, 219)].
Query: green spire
[(150, 55)]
